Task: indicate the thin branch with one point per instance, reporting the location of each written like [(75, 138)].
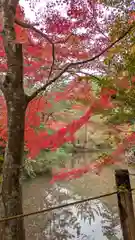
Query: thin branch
[(25, 24), (48, 116), (43, 88), (100, 31), (53, 61), (106, 49), (85, 73), (96, 22), (64, 40), (31, 26)]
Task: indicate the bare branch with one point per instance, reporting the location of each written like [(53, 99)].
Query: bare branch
[(85, 73), (31, 26), (25, 24), (43, 88), (53, 61), (102, 52), (53, 54)]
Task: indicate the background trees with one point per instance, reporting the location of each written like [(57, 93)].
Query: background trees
[(61, 45)]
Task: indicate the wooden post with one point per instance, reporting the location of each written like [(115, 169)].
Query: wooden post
[(125, 204)]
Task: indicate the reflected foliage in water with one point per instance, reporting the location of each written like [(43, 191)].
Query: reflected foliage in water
[(91, 220), (110, 223)]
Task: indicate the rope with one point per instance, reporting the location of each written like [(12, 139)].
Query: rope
[(59, 206)]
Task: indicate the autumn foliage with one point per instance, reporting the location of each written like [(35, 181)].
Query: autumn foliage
[(39, 57)]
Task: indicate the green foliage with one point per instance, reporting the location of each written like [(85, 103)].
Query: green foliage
[(125, 107), (1, 158), (121, 65), (47, 160)]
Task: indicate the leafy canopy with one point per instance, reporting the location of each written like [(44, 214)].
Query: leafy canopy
[(59, 47)]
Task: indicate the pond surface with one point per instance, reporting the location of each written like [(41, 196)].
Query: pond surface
[(92, 220), (89, 220)]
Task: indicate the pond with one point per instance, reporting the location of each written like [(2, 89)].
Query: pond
[(89, 220), (92, 220)]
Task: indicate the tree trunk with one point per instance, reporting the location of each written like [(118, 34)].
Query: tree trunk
[(13, 90), (11, 186)]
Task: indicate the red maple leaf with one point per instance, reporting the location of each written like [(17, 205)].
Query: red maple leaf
[(47, 49)]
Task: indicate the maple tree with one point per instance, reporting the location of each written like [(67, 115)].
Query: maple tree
[(42, 53)]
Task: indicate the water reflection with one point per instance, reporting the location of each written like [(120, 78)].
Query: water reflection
[(110, 223), (87, 221)]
